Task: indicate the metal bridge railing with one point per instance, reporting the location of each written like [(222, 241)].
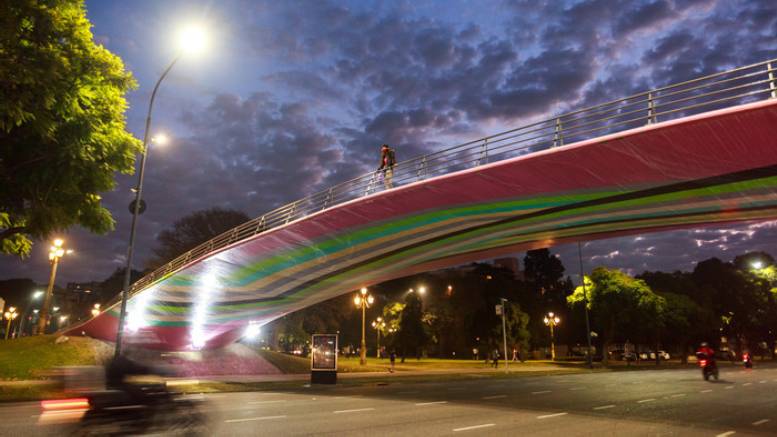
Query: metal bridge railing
[(740, 85)]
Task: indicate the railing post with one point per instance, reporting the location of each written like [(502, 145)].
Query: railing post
[(484, 152), (558, 137), (328, 198), (373, 178), (291, 212), (772, 84), (421, 172), (651, 109), (260, 226)]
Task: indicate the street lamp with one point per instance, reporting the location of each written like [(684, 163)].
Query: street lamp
[(379, 325), (10, 315), (56, 251), (191, 39), (363, 300), (552, 320), (35, 296), (758, 265), (96, 310)]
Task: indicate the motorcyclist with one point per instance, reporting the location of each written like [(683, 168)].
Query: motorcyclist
[(708, 352)]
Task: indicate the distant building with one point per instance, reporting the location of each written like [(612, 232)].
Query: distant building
[(510, 263)]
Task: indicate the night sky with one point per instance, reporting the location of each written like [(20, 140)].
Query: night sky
[(293, 97)]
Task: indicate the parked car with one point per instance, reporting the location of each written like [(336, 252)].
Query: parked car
[(622, 355), (650, 355)]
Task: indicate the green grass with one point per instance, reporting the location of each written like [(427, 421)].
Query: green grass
[(33, 357), (293, 364)]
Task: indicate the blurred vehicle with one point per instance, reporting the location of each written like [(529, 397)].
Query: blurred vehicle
[(132, 409)]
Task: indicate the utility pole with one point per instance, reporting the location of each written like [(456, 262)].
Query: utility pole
[(590, 358), (504, 331)]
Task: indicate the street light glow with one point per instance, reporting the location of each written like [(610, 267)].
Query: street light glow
[(421, 290), (252, 331), (58, 242), (192, 39), (758, 265), (160, 139)]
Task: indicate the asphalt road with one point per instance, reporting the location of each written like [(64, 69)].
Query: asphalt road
[(646, 402)]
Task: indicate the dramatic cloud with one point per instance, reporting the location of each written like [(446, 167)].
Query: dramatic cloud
[(308, 93)]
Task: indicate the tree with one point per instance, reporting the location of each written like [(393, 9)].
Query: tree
[(62, 128), (619, 304), (194, 229), (515, 325), (412, 334)]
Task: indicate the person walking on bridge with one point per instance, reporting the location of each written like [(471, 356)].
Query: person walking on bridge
[(387, 161)]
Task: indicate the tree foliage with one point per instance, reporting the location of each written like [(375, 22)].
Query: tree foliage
[(194, 229), (62, 125), (619, 304)]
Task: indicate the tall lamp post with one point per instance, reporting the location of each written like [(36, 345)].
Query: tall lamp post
[(190, 40), (378, 324), (552, 320), (363, 300), (10, 315), (56, 251)]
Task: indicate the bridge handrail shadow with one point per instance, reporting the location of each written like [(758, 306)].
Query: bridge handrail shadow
[(719, 90)]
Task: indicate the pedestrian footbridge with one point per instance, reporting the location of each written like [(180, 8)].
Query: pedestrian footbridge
[(699, 153)]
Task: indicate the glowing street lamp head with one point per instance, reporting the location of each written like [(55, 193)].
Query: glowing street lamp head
[(192, 40), (58, 242), (37, 294), (370, 299), (363, 291), (357, 300), (421, 290), (160, 139), (757, 264)]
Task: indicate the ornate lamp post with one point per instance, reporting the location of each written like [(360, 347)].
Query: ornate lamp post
[(55, 253), (10, 315), (552, 320), (363, 300), (378, 324)]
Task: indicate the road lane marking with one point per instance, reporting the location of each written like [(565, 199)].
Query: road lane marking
[(726, 434), (645, 400), (540, 392), (251, 419), (762, 382), (353, 411), (266, 402), (467, 428), (576, 388), (760, 422), (678, 395), (604, 407), (495, 397), (748, 383), (706, 391), (431, 403), (548, 416), (729, 387)]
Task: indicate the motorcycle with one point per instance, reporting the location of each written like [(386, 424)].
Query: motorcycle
[(708, 366), (146, 409), (747, 360)]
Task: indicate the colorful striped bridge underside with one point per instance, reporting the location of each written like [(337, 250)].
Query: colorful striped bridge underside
[(714, 168)]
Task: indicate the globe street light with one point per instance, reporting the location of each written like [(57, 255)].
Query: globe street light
[(56, 251), (552, 320), (96, 310), (378, 324), (363, 300), (10, 315), (191, 40)]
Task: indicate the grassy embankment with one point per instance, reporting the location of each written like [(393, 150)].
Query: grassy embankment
[(33, 358)]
